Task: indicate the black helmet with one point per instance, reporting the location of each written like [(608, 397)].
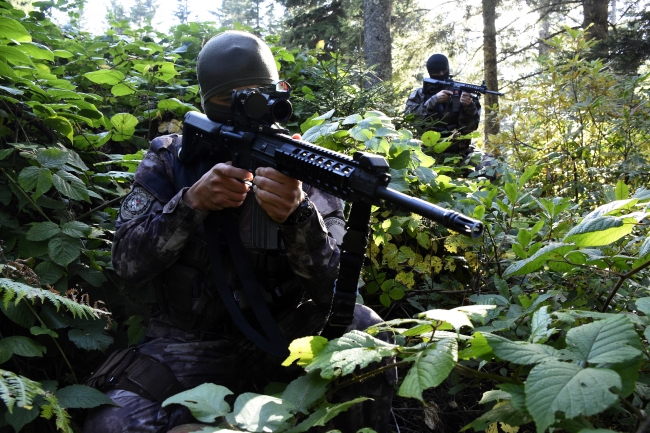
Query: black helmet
[(229, 60)]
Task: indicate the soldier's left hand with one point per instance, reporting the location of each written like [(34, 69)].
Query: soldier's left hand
[(465, 99), (278, 194)]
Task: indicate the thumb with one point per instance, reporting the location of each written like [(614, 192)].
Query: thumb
[(296, 137)]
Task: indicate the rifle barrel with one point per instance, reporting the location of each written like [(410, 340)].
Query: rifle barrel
[(449, 218)]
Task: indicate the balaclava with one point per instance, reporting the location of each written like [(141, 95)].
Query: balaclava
[(229, 60), (437, 63)]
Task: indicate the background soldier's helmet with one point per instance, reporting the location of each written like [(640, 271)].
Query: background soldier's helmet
[(229, 60), (438, 63)]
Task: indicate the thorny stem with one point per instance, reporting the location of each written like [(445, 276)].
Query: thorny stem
[(365, 376), (106, 203), (56, 343), (620, 283), (466, 371)]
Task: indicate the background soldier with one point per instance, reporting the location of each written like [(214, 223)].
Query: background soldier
[(434, 109), (160, 236)]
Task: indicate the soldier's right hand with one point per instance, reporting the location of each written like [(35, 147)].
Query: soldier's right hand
[(444, 95), (219, 188)]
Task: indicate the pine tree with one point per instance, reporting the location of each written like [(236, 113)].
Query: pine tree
[(182, 11), (142, 12)]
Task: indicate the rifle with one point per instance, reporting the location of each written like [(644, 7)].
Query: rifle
[(432, 86), (250, 141)]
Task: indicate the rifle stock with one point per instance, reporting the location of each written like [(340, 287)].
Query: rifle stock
[(363, 177)]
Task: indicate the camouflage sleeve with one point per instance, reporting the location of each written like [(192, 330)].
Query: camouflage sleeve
[(469, 117), (150, 235), (312, 249), (419, 105)]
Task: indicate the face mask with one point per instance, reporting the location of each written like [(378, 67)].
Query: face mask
[(217, 112)]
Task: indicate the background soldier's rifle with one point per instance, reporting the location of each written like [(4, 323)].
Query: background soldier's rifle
[(432, 86)]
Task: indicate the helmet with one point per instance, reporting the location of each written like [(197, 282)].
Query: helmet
[(229, 60)]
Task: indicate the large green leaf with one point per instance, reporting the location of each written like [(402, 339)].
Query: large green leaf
[(600, 231), (206, 401), (37, 51), (122, 89), (20, 314), (260, 413), (520, 352), (504, 412), (124, 126), (612, 340), (323, 415), (48, 272), (35, 178), (60, 124), (82, 396), (14, 56), (554, 387), (455, 318), (105, 76), (610, 208), (90, 338), (22, 346), (539, 331), (43, 231), (430, 368), (70, 186), (537, 260), (76, 229), (13, 30), (63, 250), (342, 355), (52, 157), (305, 391)]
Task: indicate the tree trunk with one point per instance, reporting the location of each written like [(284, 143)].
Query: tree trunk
[(545, 9), (491, 124), (595, 13), (377, 39)]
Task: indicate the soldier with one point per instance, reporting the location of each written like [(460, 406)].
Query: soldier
[(433, 111), (160, 236)]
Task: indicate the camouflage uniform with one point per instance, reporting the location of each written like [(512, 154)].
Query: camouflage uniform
[(155, 230), (437, 117)]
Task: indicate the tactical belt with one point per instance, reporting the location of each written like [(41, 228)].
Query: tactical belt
[(130, 370)]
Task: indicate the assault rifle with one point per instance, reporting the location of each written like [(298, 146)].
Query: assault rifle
[(432, 86), (250, 141)]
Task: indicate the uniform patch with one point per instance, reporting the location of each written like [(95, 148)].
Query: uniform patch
[(336, 228), (136, 203)]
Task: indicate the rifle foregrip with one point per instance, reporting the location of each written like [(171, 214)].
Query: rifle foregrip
[(451, 219)]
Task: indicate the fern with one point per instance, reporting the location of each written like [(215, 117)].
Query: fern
[(13, 289), (20, 391)]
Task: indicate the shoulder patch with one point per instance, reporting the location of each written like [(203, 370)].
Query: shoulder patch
[(136, 203)]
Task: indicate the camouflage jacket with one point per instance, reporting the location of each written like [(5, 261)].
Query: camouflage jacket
[(155, 224), (432, 115)]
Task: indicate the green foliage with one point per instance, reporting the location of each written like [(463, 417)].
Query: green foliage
[(581, 123)]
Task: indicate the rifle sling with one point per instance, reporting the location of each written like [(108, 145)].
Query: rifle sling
[(353, 249), (221, 223)]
